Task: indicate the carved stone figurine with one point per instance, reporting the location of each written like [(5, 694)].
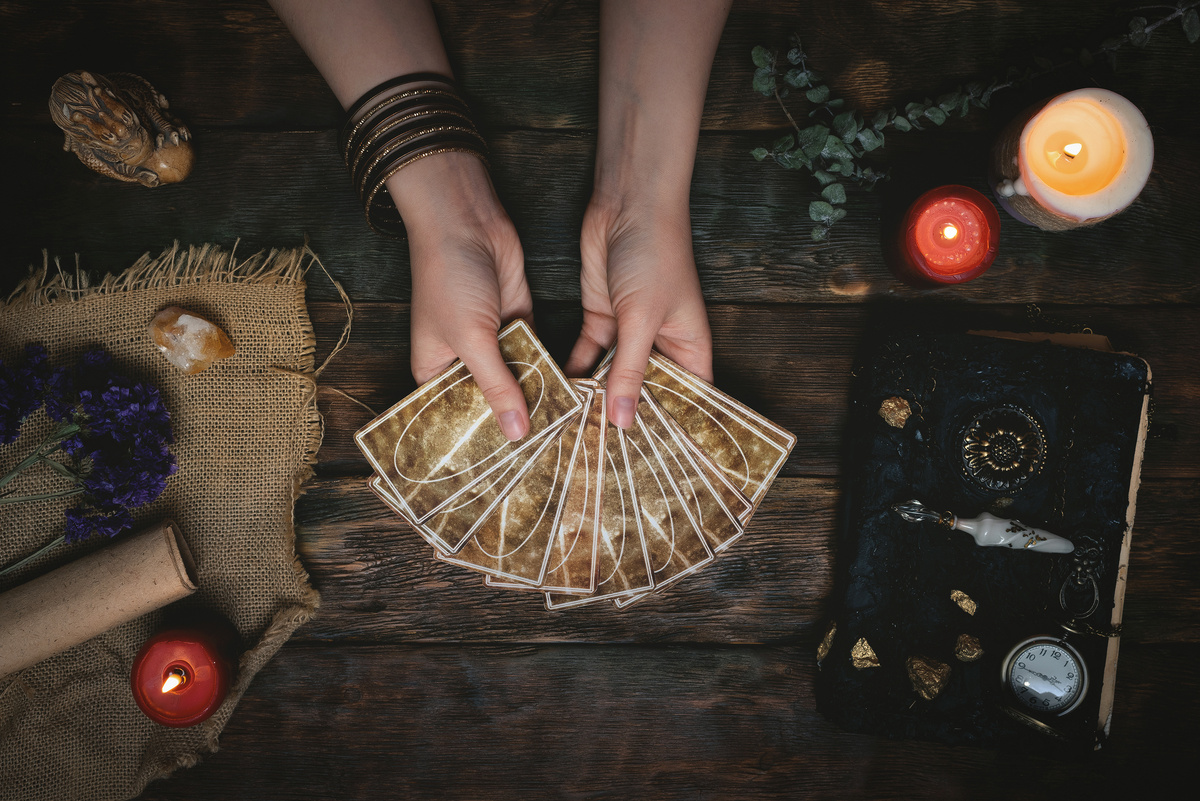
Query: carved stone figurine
[(119, 127)]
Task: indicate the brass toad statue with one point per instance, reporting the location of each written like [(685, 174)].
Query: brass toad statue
[(119, 127)]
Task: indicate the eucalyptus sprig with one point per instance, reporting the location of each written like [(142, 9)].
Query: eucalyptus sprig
[(834, 147)]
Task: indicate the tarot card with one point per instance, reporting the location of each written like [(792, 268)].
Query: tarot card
[(674, 542), (513, 541), (715, 506), (748, 448), (442, 439), (571, 568), (622, 563), (451, 528)]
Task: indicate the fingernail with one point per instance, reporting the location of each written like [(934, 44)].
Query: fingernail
[(623, 412), (513, 426)]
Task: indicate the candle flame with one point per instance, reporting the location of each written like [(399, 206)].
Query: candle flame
[(174, 679), (950, 232), (1074, 149)]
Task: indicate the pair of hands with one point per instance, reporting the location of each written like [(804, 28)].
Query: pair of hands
[(639, 285)]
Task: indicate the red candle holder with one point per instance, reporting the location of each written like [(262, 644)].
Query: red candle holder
[(182, 675), (949, 235)]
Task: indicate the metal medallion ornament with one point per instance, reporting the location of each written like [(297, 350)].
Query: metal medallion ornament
[(1045, 675), (1002, 448)]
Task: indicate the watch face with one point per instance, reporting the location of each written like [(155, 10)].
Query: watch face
[(1046, 675)]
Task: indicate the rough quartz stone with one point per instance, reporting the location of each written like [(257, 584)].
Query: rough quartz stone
[(189, 341)]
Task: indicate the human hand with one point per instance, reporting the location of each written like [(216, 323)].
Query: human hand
[(640, 290), (468, 277)]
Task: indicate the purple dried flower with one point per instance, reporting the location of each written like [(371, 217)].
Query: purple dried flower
[(21, 390), (117, 431), (83, 523)]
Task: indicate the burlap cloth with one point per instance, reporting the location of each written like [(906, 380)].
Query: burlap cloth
[(247, 432)]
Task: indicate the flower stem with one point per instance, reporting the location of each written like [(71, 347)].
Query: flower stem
[(54, 440), (53, 544), (47, 496)]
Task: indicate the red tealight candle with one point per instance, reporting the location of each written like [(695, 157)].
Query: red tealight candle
[(949, 235), (181, 675)]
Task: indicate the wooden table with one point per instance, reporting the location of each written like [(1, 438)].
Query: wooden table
[(416, 681)]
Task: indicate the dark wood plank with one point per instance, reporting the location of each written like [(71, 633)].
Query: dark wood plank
[(876, 53), (797, 372), (750, 221), (566, 722), (380, 582)]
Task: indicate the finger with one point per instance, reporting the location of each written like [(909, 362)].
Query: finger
[(499, 387), (585, 354), (628, 369), (695, 356)]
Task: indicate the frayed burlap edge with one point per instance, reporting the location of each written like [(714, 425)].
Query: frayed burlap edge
[(201, 264)]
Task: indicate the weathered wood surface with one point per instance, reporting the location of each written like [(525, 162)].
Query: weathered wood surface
[(380, 582), (795, 370), (596, 722), (750, 221), (415, 680), (533, 63)]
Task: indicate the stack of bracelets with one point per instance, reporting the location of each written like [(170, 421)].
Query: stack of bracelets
[(390, 127)]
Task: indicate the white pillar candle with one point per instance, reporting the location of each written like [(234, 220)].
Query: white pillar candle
[(1079, 159)]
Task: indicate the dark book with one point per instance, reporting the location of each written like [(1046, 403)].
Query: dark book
[(938, 637)]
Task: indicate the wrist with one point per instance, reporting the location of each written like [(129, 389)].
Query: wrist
[(442, 188)]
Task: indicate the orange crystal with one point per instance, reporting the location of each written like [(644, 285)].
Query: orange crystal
[(189, 341)]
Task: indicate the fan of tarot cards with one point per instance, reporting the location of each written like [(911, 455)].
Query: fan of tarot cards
[(579, 509)]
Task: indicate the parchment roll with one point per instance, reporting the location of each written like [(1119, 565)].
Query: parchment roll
[(89, 596)]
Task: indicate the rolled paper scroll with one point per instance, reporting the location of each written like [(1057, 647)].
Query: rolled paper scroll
[(89, 596), (989, 530)]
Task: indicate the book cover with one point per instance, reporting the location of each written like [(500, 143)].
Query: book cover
[(930, 631)]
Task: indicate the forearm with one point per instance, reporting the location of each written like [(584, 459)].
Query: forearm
[(655, 60), (358, 44)]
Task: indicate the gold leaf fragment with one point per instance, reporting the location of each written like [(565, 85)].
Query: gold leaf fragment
[(967, 649), (862, 655), (895, 411), (963, 600), (928, 676), (826, 643)]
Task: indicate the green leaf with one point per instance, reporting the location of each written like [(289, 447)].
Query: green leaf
[(950, 101), (812, 140), (763, 57), (845, 126), (759, 153), (837, 103), (835, 149), (795, 55), (820, 211), (818, 94), (764, 82), (1137, 32), (838, 214), (914, 109), (824, 178), (794, 160), (783, 143), (834, 193), (974, 89), (869, 140), (902, 124), (1191, 26), (935, 115), (797, 79), (819, 233), (880, 120)]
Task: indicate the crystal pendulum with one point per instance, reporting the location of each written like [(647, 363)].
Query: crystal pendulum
[(988, 530)]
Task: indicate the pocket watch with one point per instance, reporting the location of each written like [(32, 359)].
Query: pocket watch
[(1045, 675)]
